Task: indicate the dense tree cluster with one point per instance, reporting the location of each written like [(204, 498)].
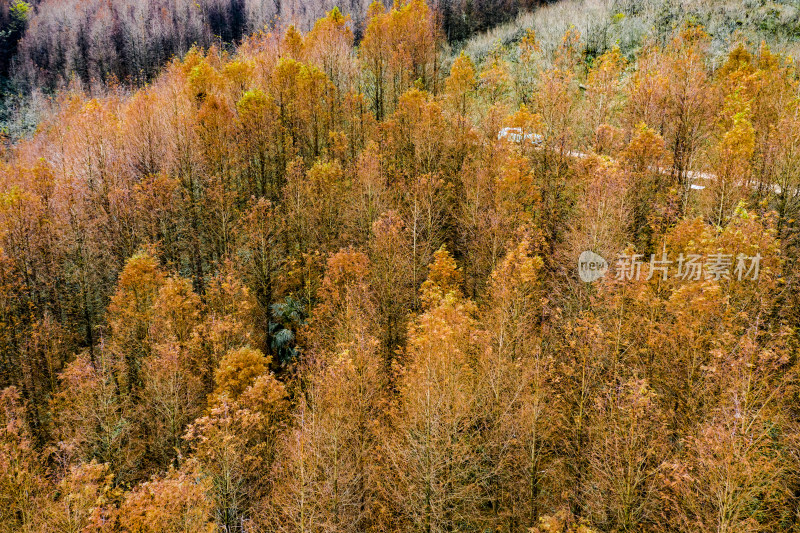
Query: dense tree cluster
[(97, 42), (13, 23), (462, 18), (310, 286)]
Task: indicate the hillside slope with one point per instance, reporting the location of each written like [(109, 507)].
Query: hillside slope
[(629, 24)]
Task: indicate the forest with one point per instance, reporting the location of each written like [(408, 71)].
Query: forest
[(326, 278), (51, 43)]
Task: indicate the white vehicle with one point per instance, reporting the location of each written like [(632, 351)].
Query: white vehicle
[(515, 135)]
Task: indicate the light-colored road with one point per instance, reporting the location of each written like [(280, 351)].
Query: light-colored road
[(695, 178)]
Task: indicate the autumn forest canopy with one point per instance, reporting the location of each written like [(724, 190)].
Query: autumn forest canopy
[(325, 278)]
